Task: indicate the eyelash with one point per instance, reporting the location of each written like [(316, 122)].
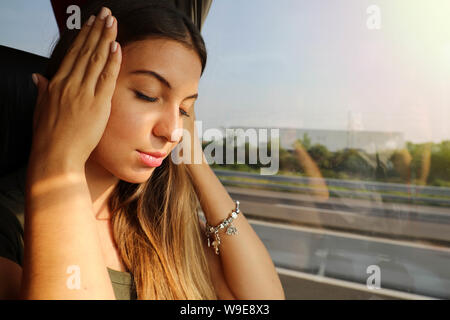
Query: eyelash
[(149, 99)]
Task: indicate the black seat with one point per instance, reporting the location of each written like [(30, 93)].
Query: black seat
[(17, 100)]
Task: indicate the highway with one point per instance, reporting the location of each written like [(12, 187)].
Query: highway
[(338, 239)]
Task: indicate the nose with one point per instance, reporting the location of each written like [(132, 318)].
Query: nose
[(169, 124)]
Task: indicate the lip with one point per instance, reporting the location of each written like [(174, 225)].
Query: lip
[(155, 154), (153, 159)]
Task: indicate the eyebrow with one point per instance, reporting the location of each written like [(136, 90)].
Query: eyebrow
[(161, 79)]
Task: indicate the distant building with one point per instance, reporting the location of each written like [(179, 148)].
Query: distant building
[(368, 141)]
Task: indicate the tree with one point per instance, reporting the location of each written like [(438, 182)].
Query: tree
[(321, 155), (380, 170)]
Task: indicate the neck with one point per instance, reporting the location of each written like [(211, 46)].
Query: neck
[(101, 183)]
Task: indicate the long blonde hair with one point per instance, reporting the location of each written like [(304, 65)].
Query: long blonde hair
[(157, 229)]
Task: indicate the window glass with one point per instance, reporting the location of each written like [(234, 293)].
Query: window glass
[(359, 95), (28, 26)]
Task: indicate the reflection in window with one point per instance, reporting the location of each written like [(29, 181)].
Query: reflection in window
[(364, 141)]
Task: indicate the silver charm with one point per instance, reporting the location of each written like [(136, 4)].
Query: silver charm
[(216, 246), (232, 230), (226, 224), (216, 243)]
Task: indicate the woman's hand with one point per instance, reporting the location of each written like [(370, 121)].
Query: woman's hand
[(197, 156), (72, 110)]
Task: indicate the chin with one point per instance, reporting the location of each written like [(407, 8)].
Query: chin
[(128, 170), (138, 176)]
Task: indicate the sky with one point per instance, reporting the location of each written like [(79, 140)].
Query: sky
[(305, 64)]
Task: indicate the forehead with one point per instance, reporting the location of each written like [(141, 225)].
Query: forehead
[(169, 58)]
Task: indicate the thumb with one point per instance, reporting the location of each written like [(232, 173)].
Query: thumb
[(40, 81)]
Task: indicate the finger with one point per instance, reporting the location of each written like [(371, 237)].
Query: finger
[(100, 57), (107, 80), (89, 47), (72, 53)]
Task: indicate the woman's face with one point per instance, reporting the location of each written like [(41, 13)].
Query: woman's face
[(168, 74)]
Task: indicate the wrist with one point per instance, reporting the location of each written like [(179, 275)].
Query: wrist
[(197, 164), (53, 163), (55, 178)]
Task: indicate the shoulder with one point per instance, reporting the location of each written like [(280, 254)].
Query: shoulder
[(11, 235), (11, 217), (217, 274), (11, 275), (11, 254)]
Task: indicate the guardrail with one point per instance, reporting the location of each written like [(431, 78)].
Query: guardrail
[(361, 189)]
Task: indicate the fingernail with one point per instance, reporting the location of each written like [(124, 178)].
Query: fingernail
[(109, 21), (103, 13), (91, 20), (113, 46), (35, 79)]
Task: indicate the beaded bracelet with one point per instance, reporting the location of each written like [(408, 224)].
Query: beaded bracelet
[(228, 222)]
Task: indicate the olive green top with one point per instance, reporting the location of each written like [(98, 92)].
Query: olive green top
[(12, 203)]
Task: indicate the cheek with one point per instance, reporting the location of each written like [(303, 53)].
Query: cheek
[(123, 124), (124, 133), (125, 129)]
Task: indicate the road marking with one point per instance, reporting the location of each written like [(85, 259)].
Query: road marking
[(349, 235), (403, 211), (290, 206), (351, 285)]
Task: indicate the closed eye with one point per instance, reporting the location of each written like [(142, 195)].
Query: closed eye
[(144, 97), (150, 99)]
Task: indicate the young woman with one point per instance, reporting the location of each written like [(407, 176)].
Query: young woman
[(97, 207)]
